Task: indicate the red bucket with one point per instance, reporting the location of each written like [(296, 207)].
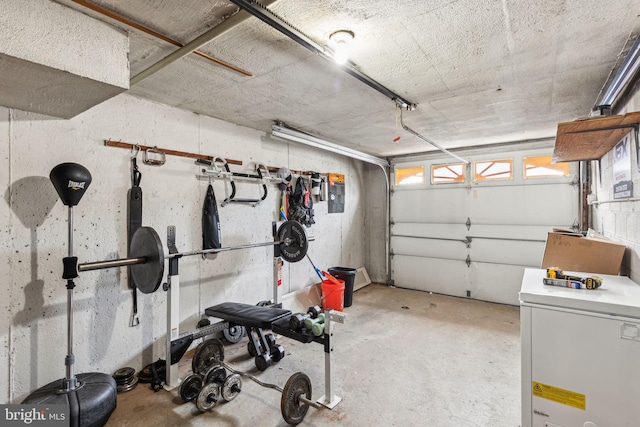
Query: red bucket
[(333, 294)]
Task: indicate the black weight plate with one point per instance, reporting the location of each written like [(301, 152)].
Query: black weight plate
[(293, 410), (146, 243), (190, 387), (216, 374), (293, 241), (123, 374), (128, 386), (208, 353), (233, 334)]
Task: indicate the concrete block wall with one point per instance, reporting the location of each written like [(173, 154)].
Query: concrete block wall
[(34, 228), (620, 219)]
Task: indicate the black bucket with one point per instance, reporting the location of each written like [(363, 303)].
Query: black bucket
[(349, 277)]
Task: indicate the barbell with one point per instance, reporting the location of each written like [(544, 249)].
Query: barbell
[(147, 254)]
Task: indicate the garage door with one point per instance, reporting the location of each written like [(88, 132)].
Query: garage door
[(470, 231)]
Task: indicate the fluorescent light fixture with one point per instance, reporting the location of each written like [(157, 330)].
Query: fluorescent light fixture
[(303, 138), (623, 76)]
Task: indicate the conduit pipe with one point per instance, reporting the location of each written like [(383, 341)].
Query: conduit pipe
[(444, 150), (155, 34), (195, 44)]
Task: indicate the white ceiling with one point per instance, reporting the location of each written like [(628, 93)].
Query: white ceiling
[(480, 71)]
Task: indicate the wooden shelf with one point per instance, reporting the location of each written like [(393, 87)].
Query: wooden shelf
[(593, 138)]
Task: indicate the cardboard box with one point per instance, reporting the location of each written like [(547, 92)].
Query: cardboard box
[(574, 252)]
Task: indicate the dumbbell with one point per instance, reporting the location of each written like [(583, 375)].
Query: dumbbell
[(296, 321), (315, 325)]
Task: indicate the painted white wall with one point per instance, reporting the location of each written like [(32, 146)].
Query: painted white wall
[(34, 225), (619, 220)]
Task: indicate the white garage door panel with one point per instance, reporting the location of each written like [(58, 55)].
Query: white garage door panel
[(497, 283), (429, 248), (447, 231), (525, 232), (432, 275), (430, 206), (509, 222), (506, 252), (532, 205)]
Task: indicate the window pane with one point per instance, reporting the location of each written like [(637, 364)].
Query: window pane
[(409, 176), (493, 170), (441, 174), (535, 167)]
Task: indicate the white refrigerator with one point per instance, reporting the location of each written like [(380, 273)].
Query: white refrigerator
[(580, 353)]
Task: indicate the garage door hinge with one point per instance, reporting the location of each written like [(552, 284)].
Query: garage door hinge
[(468, 223), (468, 261), (468, 241), (576, 181)]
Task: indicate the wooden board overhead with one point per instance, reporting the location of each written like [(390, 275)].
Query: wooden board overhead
[(591, 139)]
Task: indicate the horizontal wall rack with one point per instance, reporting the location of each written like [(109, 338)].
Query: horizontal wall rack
[(120, 144)]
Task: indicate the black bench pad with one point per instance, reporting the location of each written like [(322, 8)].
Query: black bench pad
[(246, 314)]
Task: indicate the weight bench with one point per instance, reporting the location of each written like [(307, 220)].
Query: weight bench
[(255, 319)]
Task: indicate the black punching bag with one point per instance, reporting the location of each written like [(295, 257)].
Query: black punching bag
[(210, 223), (71, 180)]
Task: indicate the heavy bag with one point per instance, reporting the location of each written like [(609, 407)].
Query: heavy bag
[(211, 238)]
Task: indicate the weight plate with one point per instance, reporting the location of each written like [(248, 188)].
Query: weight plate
[(148, 275), (129, 385), (292, 408), (208, 353), (216, 374), (231, 387), (190, 387), (123, 373), (234, 333), (293, 241), (208, 397)]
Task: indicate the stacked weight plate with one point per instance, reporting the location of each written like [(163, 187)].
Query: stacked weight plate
[(126, 379)]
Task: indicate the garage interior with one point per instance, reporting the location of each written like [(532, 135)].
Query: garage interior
[(442, 143)]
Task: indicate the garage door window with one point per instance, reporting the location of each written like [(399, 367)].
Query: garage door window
[(540, 166), (409, 176), (446, 174), (491, 170)]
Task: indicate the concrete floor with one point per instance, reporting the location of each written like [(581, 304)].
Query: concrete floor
[(404, 358)]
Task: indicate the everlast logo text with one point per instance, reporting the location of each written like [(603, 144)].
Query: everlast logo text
[(76, 185)]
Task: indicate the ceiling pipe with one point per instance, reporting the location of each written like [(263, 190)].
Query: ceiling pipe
[(140, 27), (195, 44), (261, 12), (304, 138), (444, 150), (625, 74)]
